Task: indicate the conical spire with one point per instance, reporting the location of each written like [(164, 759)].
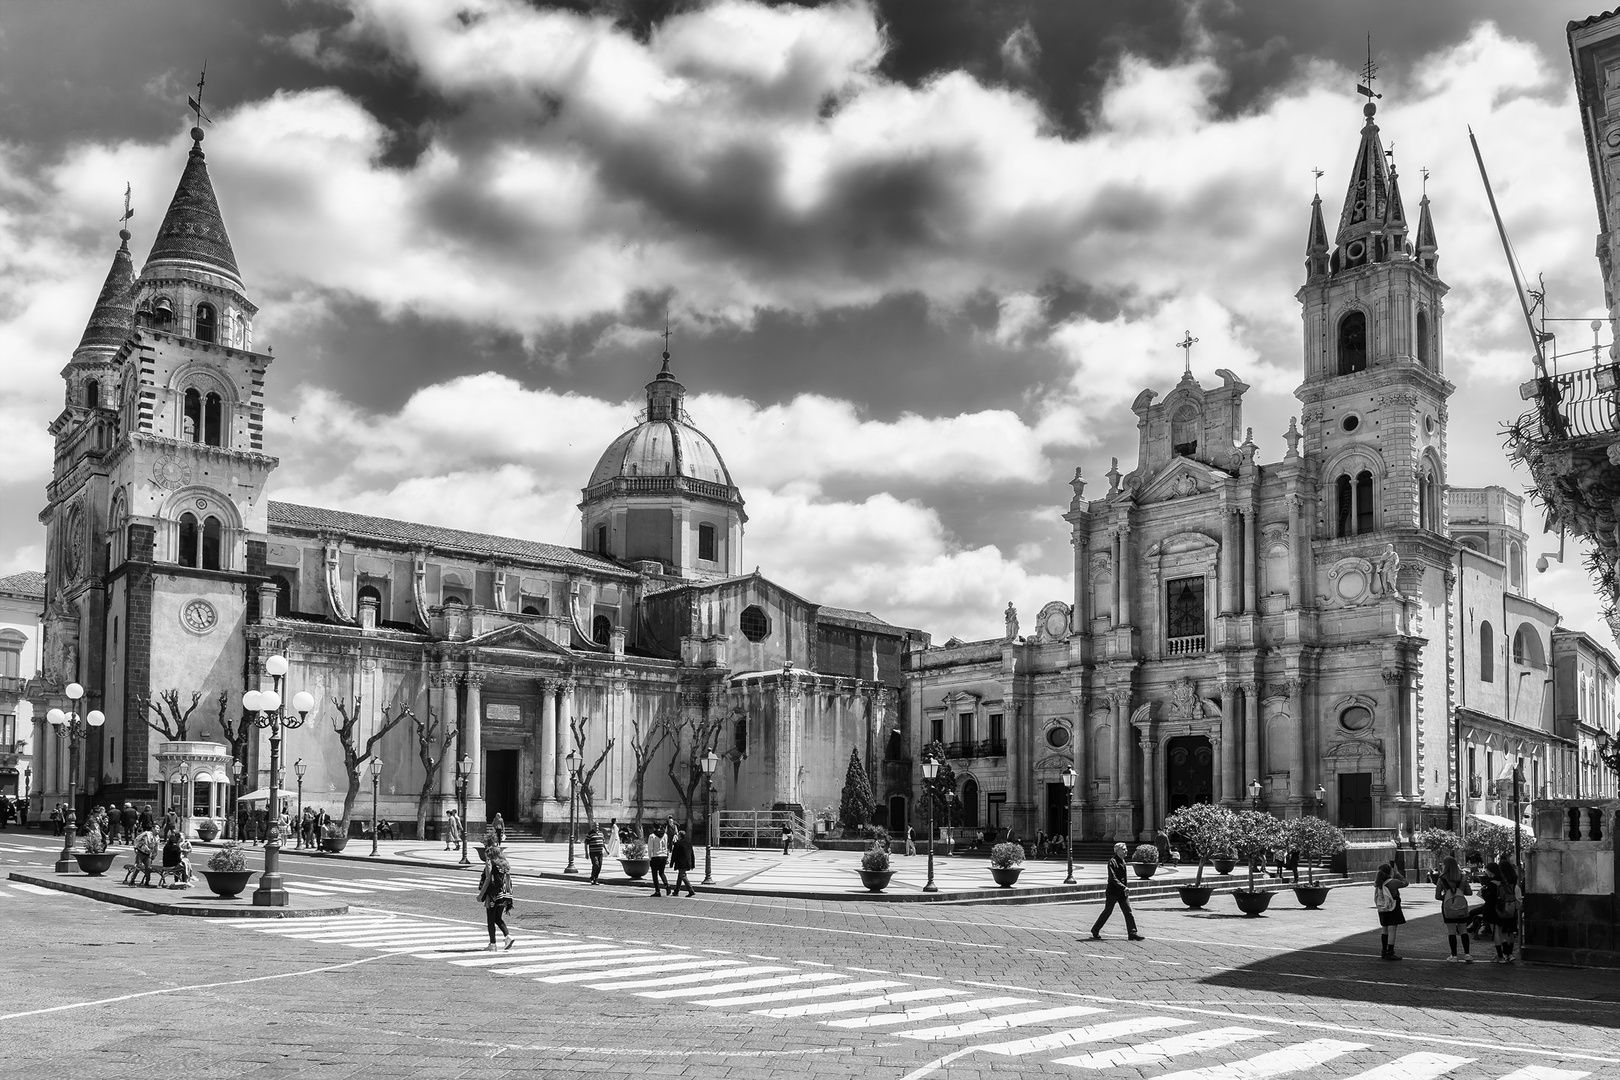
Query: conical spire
[(192, 236), (1427, 247), (1366, 201), (1316, 246), (1395, 210), (113, 318)]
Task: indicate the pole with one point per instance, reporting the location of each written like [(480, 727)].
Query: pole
[(1501, 231), (461, 800), (376, 778), (573, 788), (708, 835), (270, 892), (930, 887), (64, 861), (1068, 840), (300, 810)]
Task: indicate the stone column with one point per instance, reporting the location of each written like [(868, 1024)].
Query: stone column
[(1230, 784), (1251, 563), (1296, 553), (565, 740), (1127, 567), (1400, 708), (1077, 754), (1228, 563), (548, 739), (1298, 779), (1082, 584), (1121, 701), (1150, 786), (1119, 581), (475, 734), (1253, 766)]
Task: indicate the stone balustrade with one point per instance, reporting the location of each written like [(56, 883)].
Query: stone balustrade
[(1570, 909)]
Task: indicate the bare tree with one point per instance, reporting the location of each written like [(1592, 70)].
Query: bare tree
[(238, 736), (433, 738), (693, 737), (644, 744), (171, 726), (355, 756), (587, 792)]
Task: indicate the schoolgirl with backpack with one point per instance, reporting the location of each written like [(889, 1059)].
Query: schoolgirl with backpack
[(1387, 899), (1451, 888)]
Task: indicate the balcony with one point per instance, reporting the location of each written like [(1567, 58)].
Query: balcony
[(976, 748), (1185, 646)]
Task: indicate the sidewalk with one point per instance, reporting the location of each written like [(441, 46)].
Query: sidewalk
[(196, 901)]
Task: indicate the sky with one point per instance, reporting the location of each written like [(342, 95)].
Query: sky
[(917, 258)]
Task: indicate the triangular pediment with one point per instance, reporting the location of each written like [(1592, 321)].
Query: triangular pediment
[(1184, 477), (519, 637)]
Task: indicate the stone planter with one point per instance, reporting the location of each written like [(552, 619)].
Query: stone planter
[(1254, 903), (94, 864), (875, 880), (206, 831), (1311, 896), (1006, 876), (634, 869), (1146, 869), (1223, 865), (1196, 896), (335, 844), (227, 883)]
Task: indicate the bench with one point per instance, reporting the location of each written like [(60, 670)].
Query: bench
[(169, 877)]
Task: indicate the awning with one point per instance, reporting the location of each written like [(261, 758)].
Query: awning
[(1493, 819)]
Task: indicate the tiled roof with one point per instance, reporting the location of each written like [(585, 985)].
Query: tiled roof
[(414, 534), (851, 615), (27, 583), (193, 232), (112, 320)]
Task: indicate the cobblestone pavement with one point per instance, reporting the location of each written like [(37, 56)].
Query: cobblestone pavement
[(609, 982)]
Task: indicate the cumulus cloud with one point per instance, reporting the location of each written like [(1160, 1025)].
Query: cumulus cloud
[(1020, 53)]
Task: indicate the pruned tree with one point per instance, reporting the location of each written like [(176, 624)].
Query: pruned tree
[(644, 743), (238, 735), (171, 725), (587, 791), (856, 803), (693, 737), (355, 755), (433, 738)]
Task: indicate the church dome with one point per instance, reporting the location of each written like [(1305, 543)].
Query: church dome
[(664, 444)]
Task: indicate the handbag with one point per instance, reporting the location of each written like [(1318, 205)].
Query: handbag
[(1454, 907)]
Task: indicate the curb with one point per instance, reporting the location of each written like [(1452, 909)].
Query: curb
[(158, 907)]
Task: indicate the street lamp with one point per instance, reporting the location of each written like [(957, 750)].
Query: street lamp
[(1254, 794), (182, 811), (463, 771), (1321, 801), (28, 787), (75, 729), (1069, 778), (930, 769), (238, 773), (1512, 772), (299, 767), (573, 784), (264, 706), (710, 762), (376, 779)]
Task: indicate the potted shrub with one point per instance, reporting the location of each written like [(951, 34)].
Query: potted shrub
[(1006, 863), (1146, 860), (227, 871), (1207, 828), (207, 829), (874, 871), (1253, 834), (93, 857), (633, 857), (334, 839), (1312, 838)]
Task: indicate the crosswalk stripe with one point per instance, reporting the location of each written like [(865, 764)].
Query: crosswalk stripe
[(706, 976), (313, 890), (926, 1012), (312, 920), (23, 886), (294, 929), (818, 1008), (998, 1023), (1304, 1055), (1175, 1046), (414, 940), (1422, 1066), (1542, 1072), (1112, 1029), (397, 932), (639, 969), (528, 948), (393, 883), (364, 883), (753, 984), (438, 948), (552, 956), (628, 956), (819, 991), (337, 887)]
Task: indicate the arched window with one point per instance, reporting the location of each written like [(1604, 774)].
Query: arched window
[(210, 544), (1344, 502), (1184, 431), (1352, 343), (187, 555), (601, 539), (192, 424), (970, 803), (1516, 565), (207, 323), (1527, 650), (92, 394), (162, 310), (530, 609), (368, 592), (213, 409), (1364, 502), (706, 542), (601, 629), (1487, 657), (1423, 354), (284, 604), (1428, 502)]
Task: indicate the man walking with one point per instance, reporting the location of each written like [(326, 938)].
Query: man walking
[(596, 848), (1118, 893)]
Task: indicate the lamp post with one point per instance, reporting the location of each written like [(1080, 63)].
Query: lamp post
[(930, 769), (1512, 772), (376, 780), (238, 772), (265, 708), (463, 771), (183, 811), (299, 767), (1254, 794), (28, 788), (710, 762), (573, 786), (1321, 802), (1069, 778), (75, 729)]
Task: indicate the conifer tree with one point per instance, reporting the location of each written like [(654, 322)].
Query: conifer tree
[(855, 806)]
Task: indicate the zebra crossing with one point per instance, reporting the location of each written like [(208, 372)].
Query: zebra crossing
[(23, 890), (892, 1006), (340, 887)]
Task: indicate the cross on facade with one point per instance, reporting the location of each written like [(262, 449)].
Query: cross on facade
[(1187, 343)]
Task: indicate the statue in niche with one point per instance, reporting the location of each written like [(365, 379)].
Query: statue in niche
[(1011, 618), (1384, 568)]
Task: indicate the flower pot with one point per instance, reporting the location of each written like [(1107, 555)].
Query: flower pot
[(1311, 896), (334, 844), (1145, 869), (207, 831), (95, 864), (1252, 903), (1224, 865), (227, 883), (1006, 876), (634, 869), (1196, 896), (875, 880)]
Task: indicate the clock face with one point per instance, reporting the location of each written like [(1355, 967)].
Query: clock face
[(199, 616), (169, 472)]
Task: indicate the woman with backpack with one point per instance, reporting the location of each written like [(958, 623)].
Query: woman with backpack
[(1499, 908), (1387, 899), (495, 893), (1451, 888)]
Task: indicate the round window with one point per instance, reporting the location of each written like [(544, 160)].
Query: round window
[(1351, 422), (1428, 425), (1356, 718), (1057, 737), (1355, 249), (754, 623)]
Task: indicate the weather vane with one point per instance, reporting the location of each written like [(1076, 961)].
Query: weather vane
[(1369, 72), (123, 221), (1187, 343), (195, 103), (1425, 172), (1318, 174)]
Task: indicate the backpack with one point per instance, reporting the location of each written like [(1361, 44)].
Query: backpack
[(1454, 907), (1383, 899), (1508, 906)]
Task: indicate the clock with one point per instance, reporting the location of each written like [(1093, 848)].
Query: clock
[(199, 616), (169, 472)]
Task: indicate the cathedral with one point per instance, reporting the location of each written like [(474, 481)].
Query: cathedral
[(173, 582)]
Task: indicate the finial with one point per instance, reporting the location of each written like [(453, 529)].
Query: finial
[(123, 221), (195, 103), (1425, 172), (1369, 72), (1113, 476), (1078, 484), (1318, 174), (1292, 436), (1187, 343)]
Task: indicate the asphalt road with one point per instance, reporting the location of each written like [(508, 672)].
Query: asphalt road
[(610, 982)]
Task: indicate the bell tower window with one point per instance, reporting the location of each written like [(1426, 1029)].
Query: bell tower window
[(1354, 501), (191, 424), (1353, 343), (207, 324), (1428, 502), (92, 394), (188, 540), (213, 413), (601, 629), (1184, 431), (210, 544), (602, 539), (1423, 353)]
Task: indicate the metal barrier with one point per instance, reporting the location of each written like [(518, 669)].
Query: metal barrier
[(761, 828)]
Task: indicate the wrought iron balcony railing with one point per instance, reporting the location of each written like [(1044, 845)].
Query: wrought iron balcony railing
[(1572, 405)]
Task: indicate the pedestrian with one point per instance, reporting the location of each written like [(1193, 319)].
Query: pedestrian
[(911, 843), (1161, 841), (145, 846), (1118, 892), (658, 855), (1387, 899), (595, 849), (1451, 888), (615, 842), (146, 820), (1500, 911), (498, 827), (22, 812), (172, 857), (683, 858), (787, 838), (495, 893), (452, 830), (56, 820), (129, 821)]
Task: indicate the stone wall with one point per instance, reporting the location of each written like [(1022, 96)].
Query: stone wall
[(1570, 911)]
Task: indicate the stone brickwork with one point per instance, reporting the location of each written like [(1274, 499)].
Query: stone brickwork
[(137, 652)]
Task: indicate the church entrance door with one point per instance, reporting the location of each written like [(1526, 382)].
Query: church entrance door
[(897, 814), (1355, 800), (1189, 772), (1057, 809), (501, 784)]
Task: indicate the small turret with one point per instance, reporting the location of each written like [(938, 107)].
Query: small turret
[(1395, 227), (1428, 250), (113, 318), (1316, 247), (192, 237)]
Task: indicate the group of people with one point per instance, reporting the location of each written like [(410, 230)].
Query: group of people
[(150, 838), (1495, 918), (667, 845), (13, 810)]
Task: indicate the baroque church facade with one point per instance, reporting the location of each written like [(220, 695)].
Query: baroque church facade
[(169, 568)]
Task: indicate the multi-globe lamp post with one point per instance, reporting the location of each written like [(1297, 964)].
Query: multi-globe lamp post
[(75, 729), (1254, 794), (573, 787), (376, 780), (930, 769), (710, 762), (1069, 778), (265, 709)]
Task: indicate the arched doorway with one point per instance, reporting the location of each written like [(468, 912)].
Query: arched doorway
[(1189, 772), (897, 814), (970, 803)]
